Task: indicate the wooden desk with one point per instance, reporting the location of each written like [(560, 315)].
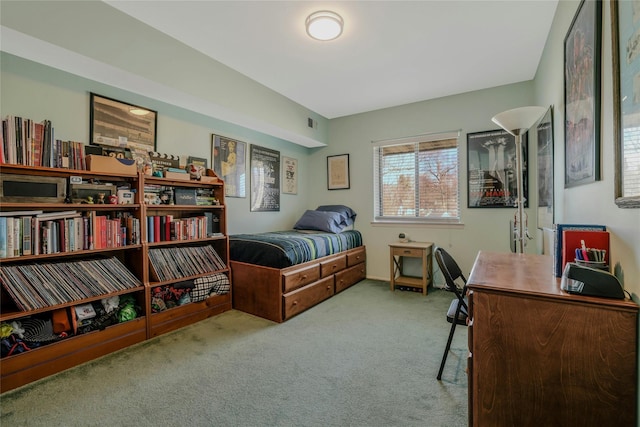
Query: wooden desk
[(421, 250), (540, 356)]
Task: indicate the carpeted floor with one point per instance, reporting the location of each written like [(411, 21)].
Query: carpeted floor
[(366, 357)]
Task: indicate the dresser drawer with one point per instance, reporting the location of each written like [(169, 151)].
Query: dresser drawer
[(350, 276), (298, 278), (356, 256), (408, 252), (304, 298), (333, 265)]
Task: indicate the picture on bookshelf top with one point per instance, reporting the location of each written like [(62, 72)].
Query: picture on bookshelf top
[(118, 124)]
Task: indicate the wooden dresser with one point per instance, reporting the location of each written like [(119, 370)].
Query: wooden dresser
[(542, 357)]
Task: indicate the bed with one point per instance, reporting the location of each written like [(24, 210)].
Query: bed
[(277, 275)]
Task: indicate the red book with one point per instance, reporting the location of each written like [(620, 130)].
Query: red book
[(109, 233), (103, 232), (572, 240), (156, 228), (167, 227)]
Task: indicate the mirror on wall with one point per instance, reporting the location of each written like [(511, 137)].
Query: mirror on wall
[(545, 170)]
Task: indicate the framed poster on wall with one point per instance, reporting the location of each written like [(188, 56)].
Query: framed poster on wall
[(228, 157), (582, 95), (338, 172), (118, 124), (545, 170), (625, 30), (265, 179), (491, 169), (122, 126), (289, 175)]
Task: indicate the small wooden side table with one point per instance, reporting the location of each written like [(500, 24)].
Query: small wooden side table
[(422, 250)]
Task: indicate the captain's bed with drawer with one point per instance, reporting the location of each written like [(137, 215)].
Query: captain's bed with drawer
[(277, 275)]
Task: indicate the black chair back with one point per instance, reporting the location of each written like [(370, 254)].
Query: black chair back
[(451, 272), (449, 267), (458, 310)]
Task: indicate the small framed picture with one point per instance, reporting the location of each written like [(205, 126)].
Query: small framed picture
[(289, 175), (198, 161), (338, 172), (118, 124)]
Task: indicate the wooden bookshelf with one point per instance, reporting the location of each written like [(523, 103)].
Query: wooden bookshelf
[(179, 316), (22, 368)]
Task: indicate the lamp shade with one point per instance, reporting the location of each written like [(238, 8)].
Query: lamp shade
[(324, 25), (518, 120)]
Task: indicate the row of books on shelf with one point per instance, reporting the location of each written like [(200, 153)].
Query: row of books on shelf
[(172, 263), (30, 143), (37, 233), (41, 285), (162, 228)]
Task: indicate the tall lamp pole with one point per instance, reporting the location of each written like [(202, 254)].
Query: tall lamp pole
[(518, 121)]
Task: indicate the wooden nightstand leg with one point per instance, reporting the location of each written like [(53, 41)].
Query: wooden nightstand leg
[(392, 272), (425, 278)]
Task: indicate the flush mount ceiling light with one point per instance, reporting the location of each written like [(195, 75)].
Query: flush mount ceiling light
[(324, 25)]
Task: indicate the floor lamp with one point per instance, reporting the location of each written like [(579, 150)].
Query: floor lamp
[(517, 122)]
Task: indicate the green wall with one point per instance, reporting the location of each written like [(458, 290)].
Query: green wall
[(188, 100), (39, 92)]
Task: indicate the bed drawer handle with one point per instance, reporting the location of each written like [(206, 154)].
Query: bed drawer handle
[(304, 277), (328, 287), (294, 303)]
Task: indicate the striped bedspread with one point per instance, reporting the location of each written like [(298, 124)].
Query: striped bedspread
[(280, 249)]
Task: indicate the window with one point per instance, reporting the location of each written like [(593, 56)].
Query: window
[(631, 162), (416, 178)]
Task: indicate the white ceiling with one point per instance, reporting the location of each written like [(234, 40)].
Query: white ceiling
[(390, 53)]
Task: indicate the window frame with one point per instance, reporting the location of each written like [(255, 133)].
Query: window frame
[(377, 190)]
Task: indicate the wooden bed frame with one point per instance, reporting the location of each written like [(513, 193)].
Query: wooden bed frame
[(280, 293)]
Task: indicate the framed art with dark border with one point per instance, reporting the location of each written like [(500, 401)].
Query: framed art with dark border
[(545, 170), (491, 169), (582, 95), (289, 175), (338, 172), (229, 163), (118, 124), (265, 179), (198, 161), (625, 37)]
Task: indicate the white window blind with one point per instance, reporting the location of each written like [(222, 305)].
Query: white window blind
[(416, 178), (631, 162)]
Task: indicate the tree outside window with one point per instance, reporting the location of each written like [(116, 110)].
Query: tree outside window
[(417, 179)]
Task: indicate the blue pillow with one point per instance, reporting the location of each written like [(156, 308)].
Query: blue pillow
[(330, 222), (348, 215)]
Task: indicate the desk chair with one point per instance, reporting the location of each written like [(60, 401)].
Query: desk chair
[(458, 310)]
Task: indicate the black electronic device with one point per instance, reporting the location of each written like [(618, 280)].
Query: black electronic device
[(579, 279), (16, 188)]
